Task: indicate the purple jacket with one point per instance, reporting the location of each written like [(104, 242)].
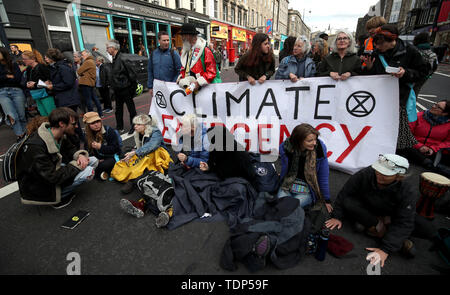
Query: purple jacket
[(321, 166)]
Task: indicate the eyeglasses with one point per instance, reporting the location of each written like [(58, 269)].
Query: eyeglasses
[(436, 105), (389, 163), (342, 39)]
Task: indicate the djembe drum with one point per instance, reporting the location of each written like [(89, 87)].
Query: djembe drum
[(432, 186)]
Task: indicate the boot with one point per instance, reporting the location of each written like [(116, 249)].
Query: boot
[(163, 218)]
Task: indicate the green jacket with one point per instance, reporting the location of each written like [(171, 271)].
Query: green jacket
[(333, 63)]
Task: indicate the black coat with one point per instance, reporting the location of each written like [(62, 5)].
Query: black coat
[(399, 199), (333, 63), (65, 85), (405, 56), (122, 75), (39, 72), (105, 74), (40, 173), (8, 82)]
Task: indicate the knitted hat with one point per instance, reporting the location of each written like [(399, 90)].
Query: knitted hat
[(142, 120), (91, 117), (338, 246)]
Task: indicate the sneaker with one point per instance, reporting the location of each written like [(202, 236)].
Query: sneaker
[(131, 131), (107, 111), (127, 188), (104, 176), (134, 208), (162, 219), (64, 202)]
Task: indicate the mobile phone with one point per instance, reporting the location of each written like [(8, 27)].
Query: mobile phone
[(76, 219), (392, 70)]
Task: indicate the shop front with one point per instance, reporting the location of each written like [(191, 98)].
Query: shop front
[(219, 35), (134, 26), (250, 36), (236, 43)]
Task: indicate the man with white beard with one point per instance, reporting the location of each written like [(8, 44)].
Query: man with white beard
[(197, 60)]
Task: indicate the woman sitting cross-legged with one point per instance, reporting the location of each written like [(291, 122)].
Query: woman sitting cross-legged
[(103, 142), (304, 167), (149, 155)]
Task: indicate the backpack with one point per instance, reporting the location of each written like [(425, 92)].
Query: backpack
[(267, 179), (9, 160), (158, 188), (431, 60)]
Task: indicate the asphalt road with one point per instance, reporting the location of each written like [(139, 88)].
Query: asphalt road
[(111, 242)]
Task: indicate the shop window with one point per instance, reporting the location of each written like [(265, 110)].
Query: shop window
[(432, 15), (55, 18), (138, 41), (95, 36), (61, 40), (151, 36), (121, 33), (163, 27)]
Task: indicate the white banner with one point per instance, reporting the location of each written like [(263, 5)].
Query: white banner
[(357, 119)]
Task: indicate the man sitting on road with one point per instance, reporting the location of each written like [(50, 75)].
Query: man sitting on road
[(163, 64), (379, 202), (49, 166)]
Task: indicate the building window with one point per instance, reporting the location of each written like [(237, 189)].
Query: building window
[(204, 7), (225, 12), (193, 5), (395, 11), (216, 8), (177, 4), (432, 15), (239, 17), (56, 18), (232, 11), (245, 18)]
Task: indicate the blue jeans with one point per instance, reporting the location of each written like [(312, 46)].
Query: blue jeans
[(86, 175), (305, 199), (13, 102), (89, 94)]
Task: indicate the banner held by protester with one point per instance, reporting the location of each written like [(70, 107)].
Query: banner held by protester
[(358, 118)]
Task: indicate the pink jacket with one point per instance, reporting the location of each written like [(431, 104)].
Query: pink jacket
[(437, 137)]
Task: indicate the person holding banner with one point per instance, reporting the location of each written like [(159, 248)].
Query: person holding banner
[(378, 201), (343, 61), (304, 167), (298, 65), (198, 66), (257, 64), (403, 61)]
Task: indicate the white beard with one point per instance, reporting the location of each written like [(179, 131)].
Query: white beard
[(186, 46)]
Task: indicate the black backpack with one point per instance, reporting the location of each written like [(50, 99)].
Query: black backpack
[(10, 159)]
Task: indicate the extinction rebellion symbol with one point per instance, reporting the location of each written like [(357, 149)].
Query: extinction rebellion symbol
[(360, 104), (161, 100)]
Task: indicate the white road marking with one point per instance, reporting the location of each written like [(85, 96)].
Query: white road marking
[(427, 95), (442, 74), (433, 102), (421, 106)]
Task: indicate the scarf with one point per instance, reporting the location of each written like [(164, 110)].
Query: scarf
[(310, 168), (434, 120)]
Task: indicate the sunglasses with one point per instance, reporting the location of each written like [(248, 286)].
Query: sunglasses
[(389, 163)]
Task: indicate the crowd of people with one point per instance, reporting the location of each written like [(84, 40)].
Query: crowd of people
[(376, 199)]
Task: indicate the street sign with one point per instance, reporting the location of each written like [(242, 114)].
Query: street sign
[(269, 25)]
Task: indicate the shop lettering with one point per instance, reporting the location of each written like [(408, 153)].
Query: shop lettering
[(270, 102)]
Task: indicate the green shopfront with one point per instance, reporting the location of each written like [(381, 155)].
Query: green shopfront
[(135, 26)]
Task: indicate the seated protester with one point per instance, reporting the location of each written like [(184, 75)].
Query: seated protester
[(103, 142), (378, 200), (227, 158), (146, 157), (304, 167), (50, 167), (193, 142), (432, 131), (343, 62), (298, 65)]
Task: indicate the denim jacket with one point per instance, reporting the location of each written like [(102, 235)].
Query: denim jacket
[(151, 141), (290, 64)]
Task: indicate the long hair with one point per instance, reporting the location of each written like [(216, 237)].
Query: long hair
[(6, 59), (256, 55), (35, 123), (92, 136), (300, 133), (288, 46), (34, 55)]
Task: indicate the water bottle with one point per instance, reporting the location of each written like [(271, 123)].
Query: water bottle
[(322, 244), (190, 89)]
